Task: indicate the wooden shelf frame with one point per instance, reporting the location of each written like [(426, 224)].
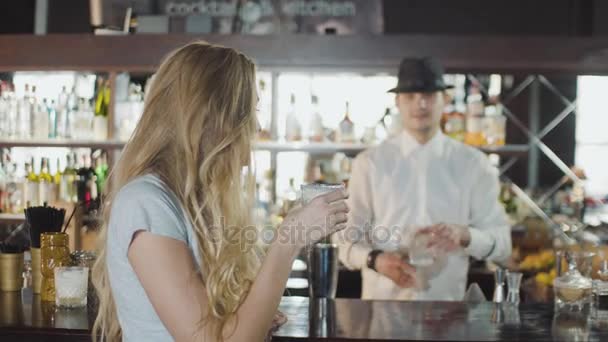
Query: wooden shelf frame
[(374, 53)]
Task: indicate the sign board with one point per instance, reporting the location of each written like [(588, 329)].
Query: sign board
[(271, 16)]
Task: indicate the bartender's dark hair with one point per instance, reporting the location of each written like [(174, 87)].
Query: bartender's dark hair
[(196, 134)]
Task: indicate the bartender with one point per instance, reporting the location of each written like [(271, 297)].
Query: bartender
[(421, 183)]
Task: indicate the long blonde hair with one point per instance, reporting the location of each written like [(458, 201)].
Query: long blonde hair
[(195, 134)]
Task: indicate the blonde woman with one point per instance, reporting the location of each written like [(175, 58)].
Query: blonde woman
[(177, 260)]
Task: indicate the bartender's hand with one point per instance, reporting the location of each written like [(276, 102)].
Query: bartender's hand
[(447, 237), (393, 266)]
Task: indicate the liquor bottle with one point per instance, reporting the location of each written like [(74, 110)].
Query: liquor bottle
[(102, 103), (11, 112), (14, 191), (87, 185), (316, 131), (67, 192), (45, 175), (41, 121), (34, 103), (45, 183), (29, 172), (507, 198), (293, 129), (474, 124), (62, 112), (72, 107), (58, 174), (453, 121), (264, 108), (3, 184), (30, 187), (289, 198), (24, 114), (100, 174), (346, 129), (5, 106), (52, 120), (494, 126)]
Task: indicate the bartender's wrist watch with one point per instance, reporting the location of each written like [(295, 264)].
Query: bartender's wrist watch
[(371, 259)]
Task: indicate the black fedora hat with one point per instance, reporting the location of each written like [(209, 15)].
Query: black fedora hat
[(420, 75)]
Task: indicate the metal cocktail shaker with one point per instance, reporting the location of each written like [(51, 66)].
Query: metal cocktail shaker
[(323, 270), (322, 317)]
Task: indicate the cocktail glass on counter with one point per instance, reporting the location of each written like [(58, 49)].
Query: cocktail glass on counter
[(71, 285), (572, 288)]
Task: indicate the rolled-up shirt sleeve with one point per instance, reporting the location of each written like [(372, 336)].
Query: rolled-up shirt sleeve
[(490, 230), (353, 242)]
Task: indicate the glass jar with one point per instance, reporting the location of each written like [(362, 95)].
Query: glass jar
[(494, 130), (572, 288), (54, 252), (86, 259)]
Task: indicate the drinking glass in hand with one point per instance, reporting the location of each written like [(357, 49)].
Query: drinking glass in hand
[(310, 191), (420, 255)]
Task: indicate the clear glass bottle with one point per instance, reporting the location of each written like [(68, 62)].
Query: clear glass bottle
[(83, 121), (454, 121), (45, 183), (293, 128), (10, 112), (100, 119), (62, 112), (51, 109), (3, 185), (15, 191), (264, 109), (474, 124), (100, 173), (24, 114), (41, 121), (346, 128), (72, 108), (67, 190), (4, 108), (494, 126), (57, 176), (316, 131), (30, 187)]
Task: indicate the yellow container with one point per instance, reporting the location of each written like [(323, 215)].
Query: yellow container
[(36, 274), (54, 252), (11, 271), (12, 309)]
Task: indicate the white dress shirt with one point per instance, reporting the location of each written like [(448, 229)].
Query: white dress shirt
[(401, 185)]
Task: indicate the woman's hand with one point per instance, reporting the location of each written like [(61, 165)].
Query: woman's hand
[(278, 320), (324, 215)]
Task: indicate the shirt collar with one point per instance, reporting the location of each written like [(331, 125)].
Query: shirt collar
[(409, 144)]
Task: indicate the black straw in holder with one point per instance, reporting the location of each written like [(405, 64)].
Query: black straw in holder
[(43, 220)]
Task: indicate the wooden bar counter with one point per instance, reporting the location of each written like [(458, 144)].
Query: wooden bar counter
[(24, 318)]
